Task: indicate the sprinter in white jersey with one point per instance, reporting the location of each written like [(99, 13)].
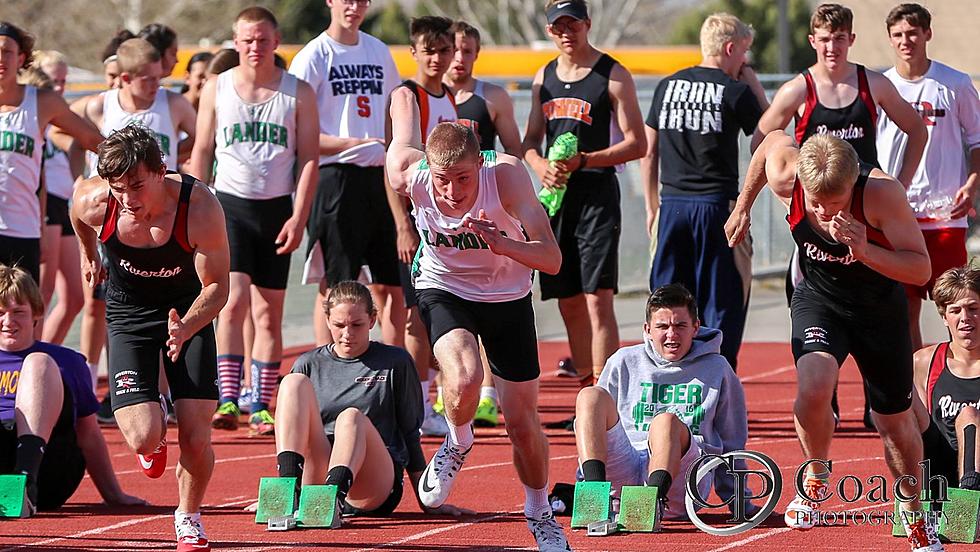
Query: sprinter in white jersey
[(483, 234), (350, 225), (260, 123), (24, 112), (944, 186), (141, 100)]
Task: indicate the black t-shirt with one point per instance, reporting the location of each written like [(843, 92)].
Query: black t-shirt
[(698, 112), (382, 383)]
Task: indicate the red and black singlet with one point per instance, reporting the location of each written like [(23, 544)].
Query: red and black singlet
[(947, 394), (151, 276), (856, 123), (829, 266)]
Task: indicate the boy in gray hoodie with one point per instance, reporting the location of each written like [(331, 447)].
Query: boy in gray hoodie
[(660, 405)]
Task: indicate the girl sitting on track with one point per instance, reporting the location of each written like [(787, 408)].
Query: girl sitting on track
[(349, 413)]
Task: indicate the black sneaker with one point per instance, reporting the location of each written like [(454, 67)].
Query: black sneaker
[(104, 415)]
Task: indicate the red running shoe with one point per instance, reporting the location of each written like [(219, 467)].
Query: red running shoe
[(190, 535), (155, 463)]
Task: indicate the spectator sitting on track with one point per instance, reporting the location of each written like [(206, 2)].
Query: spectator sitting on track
[(350, 412), (47, 409), (660, 405), (947, 379)]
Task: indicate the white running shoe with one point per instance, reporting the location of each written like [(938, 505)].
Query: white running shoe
[(548, 534), (434, 425), (437, 479), (923, 535), (190, 534), (803, 513)]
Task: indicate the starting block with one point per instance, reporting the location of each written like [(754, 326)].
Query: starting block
[(638, 509), (602, 528), (281, 523), (960, 519), (591, 503), (318, 507), (13, 496), (277, 497)]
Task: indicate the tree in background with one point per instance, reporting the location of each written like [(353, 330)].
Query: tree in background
[(763, 15)]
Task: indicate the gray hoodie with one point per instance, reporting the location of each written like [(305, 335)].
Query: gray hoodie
[(701, 389)]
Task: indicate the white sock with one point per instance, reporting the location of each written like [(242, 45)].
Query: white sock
[(488, 392), (178, 516), (462, 436), (536, 505), (438, 393)]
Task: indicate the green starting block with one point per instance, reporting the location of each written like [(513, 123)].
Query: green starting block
[(638, 509), (13, 496), (591, 503), (318, 507), (960, 517), (277, 497)]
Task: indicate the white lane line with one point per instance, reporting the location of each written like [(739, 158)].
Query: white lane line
[(431, 532), (106, 528), (773, 372)]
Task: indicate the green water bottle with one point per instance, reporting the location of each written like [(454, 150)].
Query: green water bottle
[(564, 148)]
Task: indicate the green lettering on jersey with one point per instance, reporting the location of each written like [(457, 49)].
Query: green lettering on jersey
[(17, 143), (256, 132), (683, 400)]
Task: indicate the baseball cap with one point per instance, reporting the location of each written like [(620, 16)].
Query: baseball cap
[(576, 9)]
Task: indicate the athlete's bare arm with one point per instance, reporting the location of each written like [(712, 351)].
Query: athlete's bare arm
[(963, 202), (650, 175), (88, 207), (406, 237), (206, 234), (773, 163), (53, 110), (502, 112), (540, 251), (626, 109), (887, 207), (406, 140), (99, 466), (202, 154), (920, 367), (905, 117), (534, 135), (307, 171), (785, 105), (184, 117)]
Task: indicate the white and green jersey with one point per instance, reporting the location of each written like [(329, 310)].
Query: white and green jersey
[(156, 118), (255, 143), (21, 143), (455, 259), (58, 180)]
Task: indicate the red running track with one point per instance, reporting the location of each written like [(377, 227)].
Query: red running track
[(489, 486)]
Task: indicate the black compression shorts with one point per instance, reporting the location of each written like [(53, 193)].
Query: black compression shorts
[(253, 226), (506, 329), (876, 334)]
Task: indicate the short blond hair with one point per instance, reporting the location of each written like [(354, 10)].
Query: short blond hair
[(827, 165), (721, 28), (18, 286), (450, 143), (34, 76), (48, 58), (136, 53)]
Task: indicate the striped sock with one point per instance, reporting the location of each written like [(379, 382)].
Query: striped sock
[(230, 376), (264, 378)]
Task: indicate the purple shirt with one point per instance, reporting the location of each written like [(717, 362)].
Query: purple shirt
[(74, 372)]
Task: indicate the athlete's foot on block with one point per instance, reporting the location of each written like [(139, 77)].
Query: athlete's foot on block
[(802, 513), (190, 535), (486, 413), (262, 423), (566, 369), (434, 425), (155, 463), (548, 534), (437, 479), (922, 534), (226, 417)]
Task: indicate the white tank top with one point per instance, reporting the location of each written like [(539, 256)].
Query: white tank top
[(20, 169), (156, 118), (57, 172), (457, 260), (255, 143)]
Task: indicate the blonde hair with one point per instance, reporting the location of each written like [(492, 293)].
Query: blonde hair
[(17, 286), (34, 76), (953, 284), (827, 165), (48, 58), (134, 54), (721, 28), (450, 143), (350, 292)]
